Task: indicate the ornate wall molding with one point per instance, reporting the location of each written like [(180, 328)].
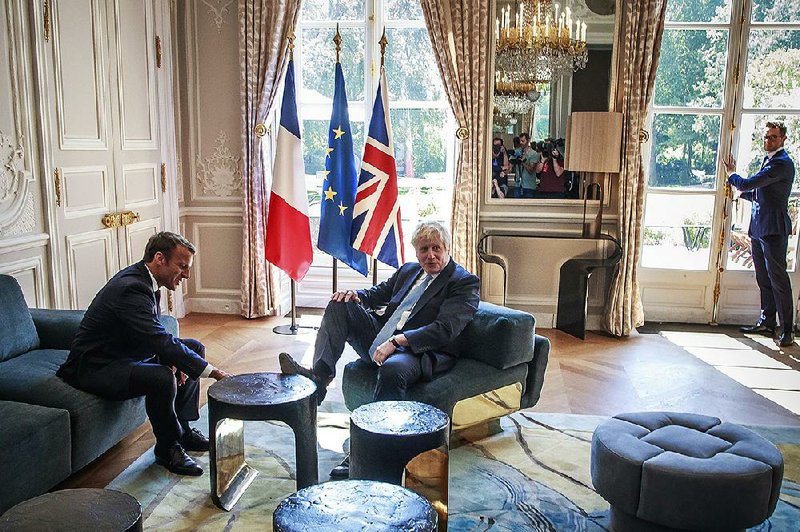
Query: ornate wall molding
[(25, 222), (219, 10), (13, 181), (220, 175)]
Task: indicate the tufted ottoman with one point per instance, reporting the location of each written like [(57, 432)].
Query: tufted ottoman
[(667, 470)]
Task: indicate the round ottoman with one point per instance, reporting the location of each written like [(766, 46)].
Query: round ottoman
[(673, 471)]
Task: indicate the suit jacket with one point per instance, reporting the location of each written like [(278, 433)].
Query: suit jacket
[(439, 316), (769, 191), (120, 328)]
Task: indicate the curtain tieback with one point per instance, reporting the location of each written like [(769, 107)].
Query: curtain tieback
[(462, 133), (260, 130), (644, 136)]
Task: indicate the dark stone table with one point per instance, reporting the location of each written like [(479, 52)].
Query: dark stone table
[(258, 397), (98, 510), (354, 505), (386, 435)]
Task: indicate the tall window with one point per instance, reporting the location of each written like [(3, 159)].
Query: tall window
[(723, 63), (422, 126)]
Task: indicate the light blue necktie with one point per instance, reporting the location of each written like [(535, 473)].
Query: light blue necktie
[(406, 304)]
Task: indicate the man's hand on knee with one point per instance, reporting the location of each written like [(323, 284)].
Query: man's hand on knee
[(345, 296), (384, 351)]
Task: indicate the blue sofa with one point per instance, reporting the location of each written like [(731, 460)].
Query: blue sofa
[(49, 429), (498, 349)]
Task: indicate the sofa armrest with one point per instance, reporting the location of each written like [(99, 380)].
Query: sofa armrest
[(56, 328), (536, 369)]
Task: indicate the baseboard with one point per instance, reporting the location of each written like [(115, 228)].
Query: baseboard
[(213, 306)]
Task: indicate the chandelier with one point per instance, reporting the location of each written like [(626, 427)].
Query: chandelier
[(514, 97), (540, 41)]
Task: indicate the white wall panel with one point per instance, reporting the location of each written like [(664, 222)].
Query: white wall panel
[(140, 184), (81, 97), (90, 263), (85, 190), (137, 236), (29, 273)]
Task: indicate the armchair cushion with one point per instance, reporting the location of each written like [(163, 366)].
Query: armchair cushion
[(56, 328), (16, 326), (498, 336)]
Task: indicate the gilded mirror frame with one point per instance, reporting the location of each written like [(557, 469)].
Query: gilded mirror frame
[(595, 42)]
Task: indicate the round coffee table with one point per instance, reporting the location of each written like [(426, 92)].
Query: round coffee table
[(386, 435), (353, 506), (258, 397), (99, 510)]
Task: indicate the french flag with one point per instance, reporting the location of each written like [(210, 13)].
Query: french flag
[(288, 238)]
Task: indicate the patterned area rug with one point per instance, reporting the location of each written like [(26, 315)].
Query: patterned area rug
[(532, 476)]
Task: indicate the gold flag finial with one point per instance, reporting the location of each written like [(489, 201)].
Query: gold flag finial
[(383, 42), (291, 46), (337, 39)]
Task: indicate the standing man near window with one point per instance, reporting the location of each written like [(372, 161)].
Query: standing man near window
[(770, 227)]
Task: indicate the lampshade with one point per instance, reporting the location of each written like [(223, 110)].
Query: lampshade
[(594, 142)]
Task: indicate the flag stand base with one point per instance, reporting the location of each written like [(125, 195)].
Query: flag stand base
[(291, 329)]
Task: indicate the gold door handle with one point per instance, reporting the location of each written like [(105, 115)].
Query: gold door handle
[(111, 220), (128, 217)]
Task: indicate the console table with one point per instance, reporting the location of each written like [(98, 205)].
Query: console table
[(573, 278)]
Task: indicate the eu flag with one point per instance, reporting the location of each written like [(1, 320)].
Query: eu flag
[(339, 185)]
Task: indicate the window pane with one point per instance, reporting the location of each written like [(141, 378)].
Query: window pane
[(773, 69), (677, 232), (332, 10), (691, 70), (404, 10), (699, 10), (411, 69), (684, 151), (776, 11), (419, 141), (318, 58)]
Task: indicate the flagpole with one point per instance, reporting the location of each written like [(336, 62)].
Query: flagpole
[(335, 276), (294, 328), (383, 42), (337, 40), (374, 271)]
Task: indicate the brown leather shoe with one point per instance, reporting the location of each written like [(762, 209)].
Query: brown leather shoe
[(759, 328)]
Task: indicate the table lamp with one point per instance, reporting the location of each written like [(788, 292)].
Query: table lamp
[(593, 144)]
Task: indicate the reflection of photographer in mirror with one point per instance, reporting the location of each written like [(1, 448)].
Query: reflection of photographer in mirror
[(500, 169), (551, 171), (530, 163)]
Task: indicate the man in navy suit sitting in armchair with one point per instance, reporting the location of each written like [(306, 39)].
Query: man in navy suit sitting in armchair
[(770, 227), (427, 305), (122, 351)]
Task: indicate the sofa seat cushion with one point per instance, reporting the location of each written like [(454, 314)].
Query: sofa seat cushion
[(96, 423), (35, 441), (468, 378), (498, 336), (16, 325)]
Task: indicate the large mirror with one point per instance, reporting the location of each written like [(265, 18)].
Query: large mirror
[(551, 59)]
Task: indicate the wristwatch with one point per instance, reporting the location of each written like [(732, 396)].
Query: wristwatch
[(394, 341)]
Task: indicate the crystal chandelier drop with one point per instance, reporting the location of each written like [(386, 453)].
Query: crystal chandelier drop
[(514, 97), (539, 41)]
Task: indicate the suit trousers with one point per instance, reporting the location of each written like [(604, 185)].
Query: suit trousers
[(352, 323), (169, 407), (769, 262)]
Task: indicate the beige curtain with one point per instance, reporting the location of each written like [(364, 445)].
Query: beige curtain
[(638, 50), (460, 33), (264, 27)]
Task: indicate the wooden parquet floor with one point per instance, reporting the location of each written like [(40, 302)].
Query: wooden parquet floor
[(601, 375)]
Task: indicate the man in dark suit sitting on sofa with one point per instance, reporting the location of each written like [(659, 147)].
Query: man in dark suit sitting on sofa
[(122, 351), (427, 305)]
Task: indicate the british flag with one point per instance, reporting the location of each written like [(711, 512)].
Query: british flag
[(376, 228)]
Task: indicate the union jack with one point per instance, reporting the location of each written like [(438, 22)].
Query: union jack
[(376, 213)]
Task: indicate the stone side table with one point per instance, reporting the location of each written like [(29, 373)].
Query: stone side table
[(258, 397), (353, 506), (98, 510)]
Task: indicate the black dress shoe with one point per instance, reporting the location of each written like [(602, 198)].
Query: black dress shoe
[(290, 366), (786, 339), (343, 469), (177, 461), (759, 328), (193, 440)]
